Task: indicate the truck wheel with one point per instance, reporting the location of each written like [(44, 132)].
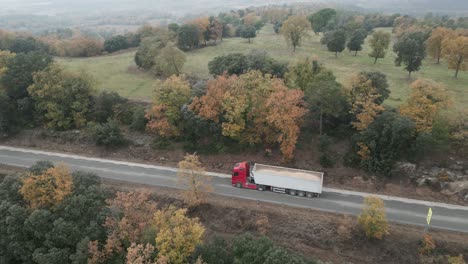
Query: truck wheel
[(309, 195), (261, 188), (292, 192), (301, 194), (238, 185)]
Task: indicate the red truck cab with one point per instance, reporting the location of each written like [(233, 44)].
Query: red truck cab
[(241, 176)]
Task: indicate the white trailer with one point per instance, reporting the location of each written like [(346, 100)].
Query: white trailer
[(287, 180)]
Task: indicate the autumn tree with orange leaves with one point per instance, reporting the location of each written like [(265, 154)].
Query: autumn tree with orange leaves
[(455, 51), (434, 42), (254, 109), (47, 189), (427, 98), (203, 25), (164, 118)]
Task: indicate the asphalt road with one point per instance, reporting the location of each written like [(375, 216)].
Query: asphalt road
[(408, 211)]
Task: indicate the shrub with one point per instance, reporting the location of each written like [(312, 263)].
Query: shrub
[(105, 106), (139, 120), (326, 161), (107, 134)]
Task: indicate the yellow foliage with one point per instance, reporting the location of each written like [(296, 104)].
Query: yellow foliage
[(192, 177), (177, 235), (5, 56), (362, 96), (295, 29), (455, 50), (434, 42), (427, 98), (48, 189), (373, 219), (456, 260), (364, 151)]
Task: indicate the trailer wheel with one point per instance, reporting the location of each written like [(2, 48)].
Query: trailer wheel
[(292, 192), (301, 194), (238, 185), (309, 195)]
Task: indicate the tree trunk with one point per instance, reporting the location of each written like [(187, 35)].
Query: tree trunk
[(456, 71), (249, 40), (375, 61), (438, 58), (355, 54), (294, 48), (409, 75), (336, 54)]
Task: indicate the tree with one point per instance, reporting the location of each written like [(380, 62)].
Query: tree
[(356, 40), (192, 177), (294, 30), (140, 254), (377, 80), (7, 115), (233, 63), (187, 37), (215, 29), (116, 43), (281, 256), (373, 219), (248, 32), (26, 45), (319, 20), (106, 105), (177, 235), (47, 189), (107, 134), (379, 42), (203, 25), (5, 57), (427, 98), (148, 51), (434, 42), (455, 50), (62, 99), (19, 74), (335, 41), (173, 27), (169, 96), (170, 61), (410, 50), (388, 138), (248, 250)]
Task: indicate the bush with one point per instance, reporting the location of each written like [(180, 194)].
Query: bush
[(326, 161), (105, 106), (107, 134), (116, 43), (161, 143), (139, 120)]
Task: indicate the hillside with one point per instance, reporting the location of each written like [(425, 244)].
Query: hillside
[(118, 72)]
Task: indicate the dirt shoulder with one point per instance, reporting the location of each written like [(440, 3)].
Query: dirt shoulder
[(326, 236), (139, 150)]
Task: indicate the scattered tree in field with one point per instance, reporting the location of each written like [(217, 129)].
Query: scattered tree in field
[(116, 43), (320, 19), (253, 108), (410, 50), (335, 41), (427, 98), (215, 29), (177, 235), (187, 37), (202, 24), (169, 61), (62, 99), (455, 51), (388, 138), (47, 189), (19, 73), (373, 219), (192, 177), (248, 32), (294, 30), (434, 42), (149, 49), (379, 43), (356, 40), (169, 96), (377, 80), (427, 245)]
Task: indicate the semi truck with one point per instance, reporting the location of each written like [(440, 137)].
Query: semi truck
[(262, 177)]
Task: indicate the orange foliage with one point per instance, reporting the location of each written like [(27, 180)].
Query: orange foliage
[(48, 189), (434, 42), (254, 109), (250, 19), (428, 245), (202, 24), (426, 99), (140, 254), (455, 50)]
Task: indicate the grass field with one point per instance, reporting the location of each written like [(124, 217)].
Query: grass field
[(116, 72)]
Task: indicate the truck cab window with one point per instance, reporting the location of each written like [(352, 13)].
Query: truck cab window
[(235, 174)]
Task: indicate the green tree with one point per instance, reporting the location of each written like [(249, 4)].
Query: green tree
[(335, 41), (281, 256), (379, 43), (356, 40), (169, 61), (116, 43), (107, 105), (26, 45), (294, 30), (62, 99), (173, 27), (248, 32), (187, 37), (7, 115), (377, 80), (107, 134), (216, 250), (385, 141), (149, 49), (319, 20), (19, 74), (233, 63), (411, 50), (373, 219), (248, 250)]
